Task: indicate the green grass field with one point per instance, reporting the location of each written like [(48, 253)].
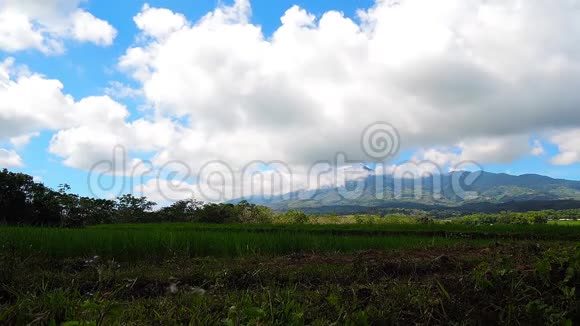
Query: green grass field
[(354, 274), (129, 242), (570, 223), (136, 241)]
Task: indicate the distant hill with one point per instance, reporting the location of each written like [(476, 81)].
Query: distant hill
[(489, 192)]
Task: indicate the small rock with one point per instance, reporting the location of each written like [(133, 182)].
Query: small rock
[(172, 288), (198, 291)]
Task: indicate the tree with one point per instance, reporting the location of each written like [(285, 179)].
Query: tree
[(131, 208), (22, 201), (252, 213), (15, 197), (183, 210), (296, 216), (97, 211)]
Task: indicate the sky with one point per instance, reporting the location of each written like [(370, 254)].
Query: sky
[(163, 98)]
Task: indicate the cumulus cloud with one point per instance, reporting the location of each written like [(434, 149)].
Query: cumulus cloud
[(475, 151), (159, 22), (463, 80), (87, 130), (217, 182), (9, 159), (163, 191), (568, 143), (88, 28), (86, 145), (470, 74), (100, 128), (21, 141), (45, 25), (22, 114), (504, 149), (17, 32)]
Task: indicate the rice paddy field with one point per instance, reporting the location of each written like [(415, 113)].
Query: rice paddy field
[(382, 274)]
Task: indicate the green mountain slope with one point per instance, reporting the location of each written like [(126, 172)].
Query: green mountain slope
[(454, 189)]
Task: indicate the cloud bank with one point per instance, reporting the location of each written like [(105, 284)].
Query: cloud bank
[(459, 79)]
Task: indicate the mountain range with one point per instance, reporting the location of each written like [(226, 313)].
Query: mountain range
[(459, 190)]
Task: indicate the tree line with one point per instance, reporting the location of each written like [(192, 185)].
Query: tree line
[(26, 202)]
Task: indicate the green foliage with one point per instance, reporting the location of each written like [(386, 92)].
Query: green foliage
[(24, 202), (133, 209), (242, 212), (533, 217), (425, 220), (180, 211), (295, 216)]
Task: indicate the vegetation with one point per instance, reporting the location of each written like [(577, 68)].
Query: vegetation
[(413, 279), (534, 217), (71, 260), (25, 202), (139, 242)]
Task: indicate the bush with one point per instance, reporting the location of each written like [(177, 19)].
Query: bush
[(425, 220), (297, 217), (540, 217)]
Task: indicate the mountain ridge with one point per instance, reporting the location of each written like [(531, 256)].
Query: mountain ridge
[(454, 189)]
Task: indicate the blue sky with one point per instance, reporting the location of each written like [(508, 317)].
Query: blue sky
[(298, 95)]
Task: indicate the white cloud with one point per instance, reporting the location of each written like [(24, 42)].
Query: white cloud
[(17, 32), (568, 143), (494, 150), (538, 148), (45, 25), (88, 130), (22, 114), (21, 141), (9, 159), (462, 79), (121, 91), (163, 191), (100, 129), (159, 22), (88, 28), (217, 182), (475, 151), (477, 76)]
